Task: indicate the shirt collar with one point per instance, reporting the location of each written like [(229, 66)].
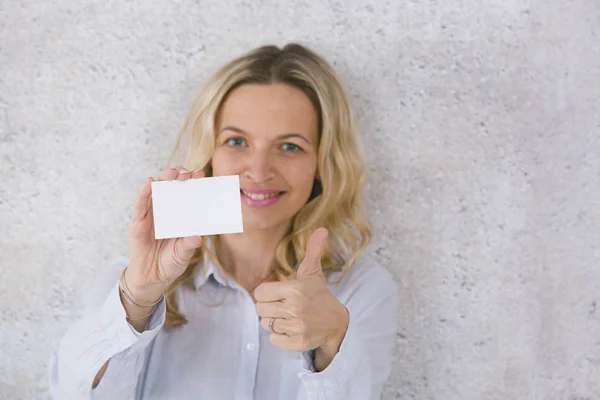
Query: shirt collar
[(208, 269)]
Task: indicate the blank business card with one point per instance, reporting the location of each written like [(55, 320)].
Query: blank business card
[(204, 206)]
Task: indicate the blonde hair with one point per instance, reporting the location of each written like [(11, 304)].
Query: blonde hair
[(337, 200)]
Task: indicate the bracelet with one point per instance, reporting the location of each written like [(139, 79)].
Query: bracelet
[(140, 318), (124, 289)]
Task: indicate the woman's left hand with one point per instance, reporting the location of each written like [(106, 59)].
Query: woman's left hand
[(303, 314)]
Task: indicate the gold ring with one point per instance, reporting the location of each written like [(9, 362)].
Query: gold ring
[(271, 325)]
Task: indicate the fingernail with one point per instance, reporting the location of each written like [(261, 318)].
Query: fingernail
[(183, 171)]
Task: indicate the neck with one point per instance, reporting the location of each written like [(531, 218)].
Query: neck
[(250, 256)]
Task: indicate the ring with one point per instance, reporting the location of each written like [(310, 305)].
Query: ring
[(271, 325)]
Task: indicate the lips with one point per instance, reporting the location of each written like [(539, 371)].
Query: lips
[(260, 198), (261, 194)]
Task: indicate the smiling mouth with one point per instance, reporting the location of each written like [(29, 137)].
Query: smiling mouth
[(260, 196)]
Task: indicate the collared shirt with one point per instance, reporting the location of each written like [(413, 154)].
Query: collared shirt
[(223, 352)]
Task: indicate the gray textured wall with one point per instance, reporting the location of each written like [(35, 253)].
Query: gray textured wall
[(482, 127)]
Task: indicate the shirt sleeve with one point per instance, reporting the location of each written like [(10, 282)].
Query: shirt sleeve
[(102, 334), (362, 365)]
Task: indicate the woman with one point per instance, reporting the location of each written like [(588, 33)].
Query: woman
[(285, 310)]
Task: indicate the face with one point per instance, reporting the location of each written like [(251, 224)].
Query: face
[(267, 134)]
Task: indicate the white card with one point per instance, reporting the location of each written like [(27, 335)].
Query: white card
[(204, 206)]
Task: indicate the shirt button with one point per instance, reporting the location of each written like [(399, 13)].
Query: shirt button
[(250, 346)]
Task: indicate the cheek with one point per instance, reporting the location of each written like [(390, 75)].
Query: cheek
[(224, 163), (302, 175)]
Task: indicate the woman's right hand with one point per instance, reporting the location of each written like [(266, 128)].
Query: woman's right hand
[(155, 264)]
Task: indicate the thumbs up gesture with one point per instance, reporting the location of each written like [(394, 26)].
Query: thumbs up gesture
[(303, 314)]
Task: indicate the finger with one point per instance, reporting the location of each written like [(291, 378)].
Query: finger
[(273, 309), (192, 242), (278, 327), (140, 207), (311, 264), (198, 174), (315, 245), (149, 209), (184, 248), (169, 174), (285, 326), (290, 343), (184, 175), (271, 291)]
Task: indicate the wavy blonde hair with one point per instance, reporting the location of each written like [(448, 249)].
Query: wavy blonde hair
[(337, 199)]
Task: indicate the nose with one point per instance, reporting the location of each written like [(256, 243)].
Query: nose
[(259, 167)]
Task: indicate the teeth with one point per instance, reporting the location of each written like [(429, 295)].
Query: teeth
[(261, 196)]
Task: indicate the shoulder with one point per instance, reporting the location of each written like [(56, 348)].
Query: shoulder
[(365, 278)]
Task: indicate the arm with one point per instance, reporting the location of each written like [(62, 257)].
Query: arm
[(102, 334), (138, 318), (362, 364)]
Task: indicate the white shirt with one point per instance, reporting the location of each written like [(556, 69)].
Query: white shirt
[(223, 352)]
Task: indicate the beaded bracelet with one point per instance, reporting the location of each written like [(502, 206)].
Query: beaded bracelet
[(125, 289)]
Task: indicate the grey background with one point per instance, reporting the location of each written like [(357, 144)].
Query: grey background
[(482, 127)]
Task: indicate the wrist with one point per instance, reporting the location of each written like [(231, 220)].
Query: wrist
[(342, 327), (145, 295), (325, 354), (333, 344)]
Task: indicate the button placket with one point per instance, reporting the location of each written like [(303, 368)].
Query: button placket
[(251, 345)]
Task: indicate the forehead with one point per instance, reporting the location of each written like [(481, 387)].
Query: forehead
[(269, 108)]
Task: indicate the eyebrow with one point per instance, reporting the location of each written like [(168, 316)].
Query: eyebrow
[(284, 136)]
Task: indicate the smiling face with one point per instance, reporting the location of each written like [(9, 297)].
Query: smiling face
[(267, 134)]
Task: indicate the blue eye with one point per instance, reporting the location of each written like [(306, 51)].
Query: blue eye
[(291, 147), (235, 142)]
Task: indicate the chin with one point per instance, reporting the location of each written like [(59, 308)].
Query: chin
[(267, 218), (260, 225), (263, 222)]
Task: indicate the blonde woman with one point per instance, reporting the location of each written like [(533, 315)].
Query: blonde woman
[(288, 309)]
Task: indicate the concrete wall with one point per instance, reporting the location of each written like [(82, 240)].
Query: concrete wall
[(482, 126)]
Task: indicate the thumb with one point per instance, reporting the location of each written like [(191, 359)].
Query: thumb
[(185, 247), (311, 264)]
